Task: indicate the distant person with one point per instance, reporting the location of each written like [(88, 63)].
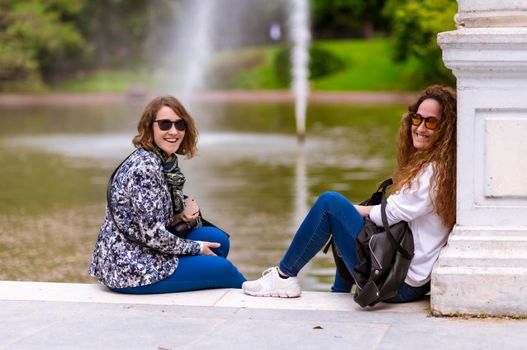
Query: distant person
[(275, 31), (136, 251), (424, 195)]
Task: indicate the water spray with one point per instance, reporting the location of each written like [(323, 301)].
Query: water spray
[(300, 35)]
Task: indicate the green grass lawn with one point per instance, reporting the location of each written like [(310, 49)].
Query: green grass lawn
[(368, 66)]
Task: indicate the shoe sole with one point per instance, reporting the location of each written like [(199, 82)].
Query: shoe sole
[(275, 295)]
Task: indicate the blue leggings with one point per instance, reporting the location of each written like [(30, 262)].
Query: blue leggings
[(333, 214), (197, 271)]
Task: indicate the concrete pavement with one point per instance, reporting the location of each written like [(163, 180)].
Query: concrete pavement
[(37, 315)]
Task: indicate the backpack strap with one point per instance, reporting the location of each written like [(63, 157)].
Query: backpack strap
[(393, 241), (109, 192), (384, 185)]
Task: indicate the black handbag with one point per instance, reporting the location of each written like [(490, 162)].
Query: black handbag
[(384, 255), (183, 228)]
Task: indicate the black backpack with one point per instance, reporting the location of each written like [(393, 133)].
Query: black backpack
[(384, 255)]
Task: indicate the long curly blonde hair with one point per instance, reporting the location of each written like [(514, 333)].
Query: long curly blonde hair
[(441, 153)]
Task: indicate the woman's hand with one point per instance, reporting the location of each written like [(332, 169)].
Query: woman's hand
[(206, 250), (191, 211)]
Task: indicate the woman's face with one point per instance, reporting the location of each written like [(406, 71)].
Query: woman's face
[(168, 140), (421, 135)]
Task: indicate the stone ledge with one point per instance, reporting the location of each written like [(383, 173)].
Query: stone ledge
[(93, 293)]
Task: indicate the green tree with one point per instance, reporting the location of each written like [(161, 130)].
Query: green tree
[(124, 31), (33, 34), (416, 24), (348, 18)]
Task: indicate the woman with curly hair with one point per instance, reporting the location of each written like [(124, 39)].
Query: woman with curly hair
[(424, 195), (140, 248)]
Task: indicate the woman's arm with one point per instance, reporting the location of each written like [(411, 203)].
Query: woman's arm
[(145, 189), (407, 204), (363, 209)]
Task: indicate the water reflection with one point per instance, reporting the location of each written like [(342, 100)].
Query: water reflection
[(250, 177), (301, 208)]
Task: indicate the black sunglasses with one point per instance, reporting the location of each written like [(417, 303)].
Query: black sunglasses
[(166, 124), (430, 122)]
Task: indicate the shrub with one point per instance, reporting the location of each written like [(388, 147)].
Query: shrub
[(222, 73), (321, 63)]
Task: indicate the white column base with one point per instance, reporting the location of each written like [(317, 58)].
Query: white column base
[(482, 270)]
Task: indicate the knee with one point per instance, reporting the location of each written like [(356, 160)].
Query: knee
[(330, 195), (327, 198), (222, 238), (217, 235)]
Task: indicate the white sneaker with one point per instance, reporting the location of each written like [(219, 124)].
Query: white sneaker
[(272, 285)]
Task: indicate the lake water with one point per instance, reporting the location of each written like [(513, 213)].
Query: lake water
[(251, 178)]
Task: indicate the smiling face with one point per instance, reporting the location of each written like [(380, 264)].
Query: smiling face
[(169, 140), (421, 135)]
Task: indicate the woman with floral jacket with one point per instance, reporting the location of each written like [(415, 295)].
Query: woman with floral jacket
[(135, 251)]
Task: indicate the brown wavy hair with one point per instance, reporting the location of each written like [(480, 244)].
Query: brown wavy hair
[(145, 138), (441, 153)]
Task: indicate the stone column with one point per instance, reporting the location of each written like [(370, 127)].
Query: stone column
[(483, 268)]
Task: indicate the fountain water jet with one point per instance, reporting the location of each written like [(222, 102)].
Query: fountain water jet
[(300, 34), (194, 48), (201, 30)]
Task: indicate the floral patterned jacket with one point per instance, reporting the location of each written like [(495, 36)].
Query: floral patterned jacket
[(140, 250)]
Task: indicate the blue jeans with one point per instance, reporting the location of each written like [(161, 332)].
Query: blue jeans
[(332, 214), (408, 293), (197, 271)]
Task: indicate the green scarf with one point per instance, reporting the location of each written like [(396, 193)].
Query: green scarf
[(175, 179)]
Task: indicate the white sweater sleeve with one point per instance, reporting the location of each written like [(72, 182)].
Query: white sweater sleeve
[(408, 203)]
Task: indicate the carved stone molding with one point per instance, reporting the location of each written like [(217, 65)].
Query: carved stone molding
[(493, 51), (491, 13)]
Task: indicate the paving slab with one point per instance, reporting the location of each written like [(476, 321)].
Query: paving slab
[(33, 316), (95, 293)]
